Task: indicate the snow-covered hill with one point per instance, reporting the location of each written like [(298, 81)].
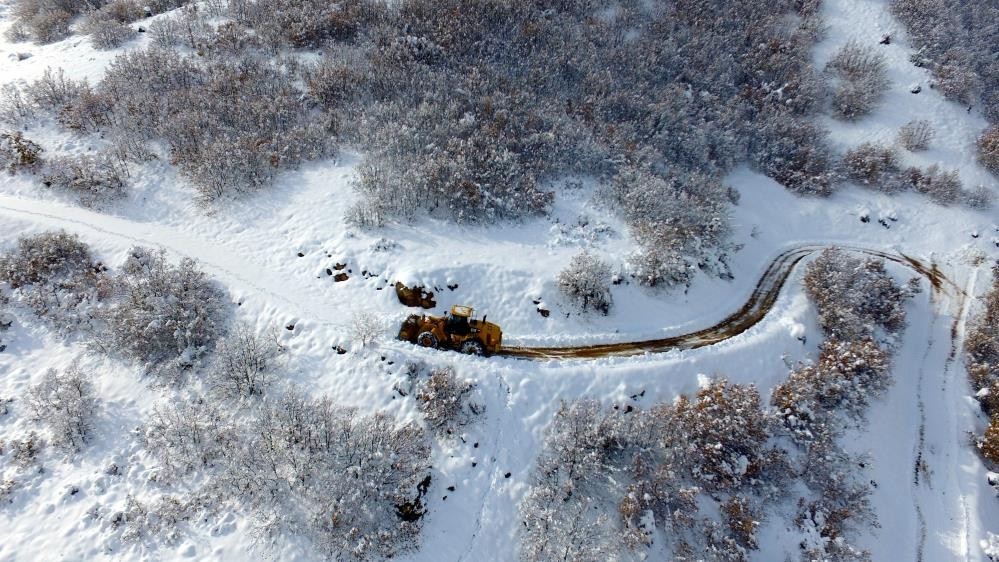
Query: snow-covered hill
[(275, 253)]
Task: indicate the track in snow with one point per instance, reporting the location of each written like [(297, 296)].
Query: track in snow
[(756, 308), (227, 265)]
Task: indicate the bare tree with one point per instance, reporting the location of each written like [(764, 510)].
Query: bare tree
[(446, 401), (243, 363), (67, 404)]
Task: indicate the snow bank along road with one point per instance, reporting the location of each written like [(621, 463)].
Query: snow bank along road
[(237, 271)]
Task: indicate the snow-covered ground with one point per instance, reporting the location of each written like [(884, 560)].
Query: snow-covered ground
[(932, 497)]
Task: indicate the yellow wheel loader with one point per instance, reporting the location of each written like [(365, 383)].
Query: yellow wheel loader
[(457, 330)]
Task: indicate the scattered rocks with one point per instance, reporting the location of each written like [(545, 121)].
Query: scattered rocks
[(885, 39), (915, 89), (290, 327), (301, 254), (339, 266), (340, 277), (544, 312), (507, 475)]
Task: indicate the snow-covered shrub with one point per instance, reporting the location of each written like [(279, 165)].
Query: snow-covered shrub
[(94, 179), (839, 386), (562, 514), (476, 133), (159, 520), (840, 505), (701, 469), (873, 166), (988, 149), (681, 223), (166, 314), (979, 197), (943, 187), (861, 73), (6, 321), (7, 488), (367, 326), (125, 11), (329, 460), (586, 283), (306, 24), (300, 466), (231, 123), (446, 401), (725, 431), (982, 346), (915, 135), (187, 28), (333, 83), (43, 21), (742, 519), (54, 274), (53, 91), (26, 451), (955, 76), (468, 168), (955, 39), (66, 403), (854, 296), (107, 25), (243, 364), (106, 32), (988, 445), (43, 258), (15, 107), (187, 437), (794, 152), (18, 152)]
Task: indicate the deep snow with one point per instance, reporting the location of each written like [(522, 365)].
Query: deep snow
[(251, 246)]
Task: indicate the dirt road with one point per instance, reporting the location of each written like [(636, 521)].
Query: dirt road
[(756, 308)]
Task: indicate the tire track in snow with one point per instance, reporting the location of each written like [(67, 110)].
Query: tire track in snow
[(957, 334), (497, 439), (920, 466), (223, 262), (760, 302), (917, 465)]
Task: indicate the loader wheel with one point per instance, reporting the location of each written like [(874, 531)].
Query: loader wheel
[(473, 347), (427, 339)]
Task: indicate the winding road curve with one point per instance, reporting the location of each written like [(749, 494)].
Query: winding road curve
[(233, 268), (756, 308)]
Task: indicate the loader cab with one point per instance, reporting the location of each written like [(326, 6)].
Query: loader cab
[(458, 320)]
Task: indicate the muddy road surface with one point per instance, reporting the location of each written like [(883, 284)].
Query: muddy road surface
[(764, 296)]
